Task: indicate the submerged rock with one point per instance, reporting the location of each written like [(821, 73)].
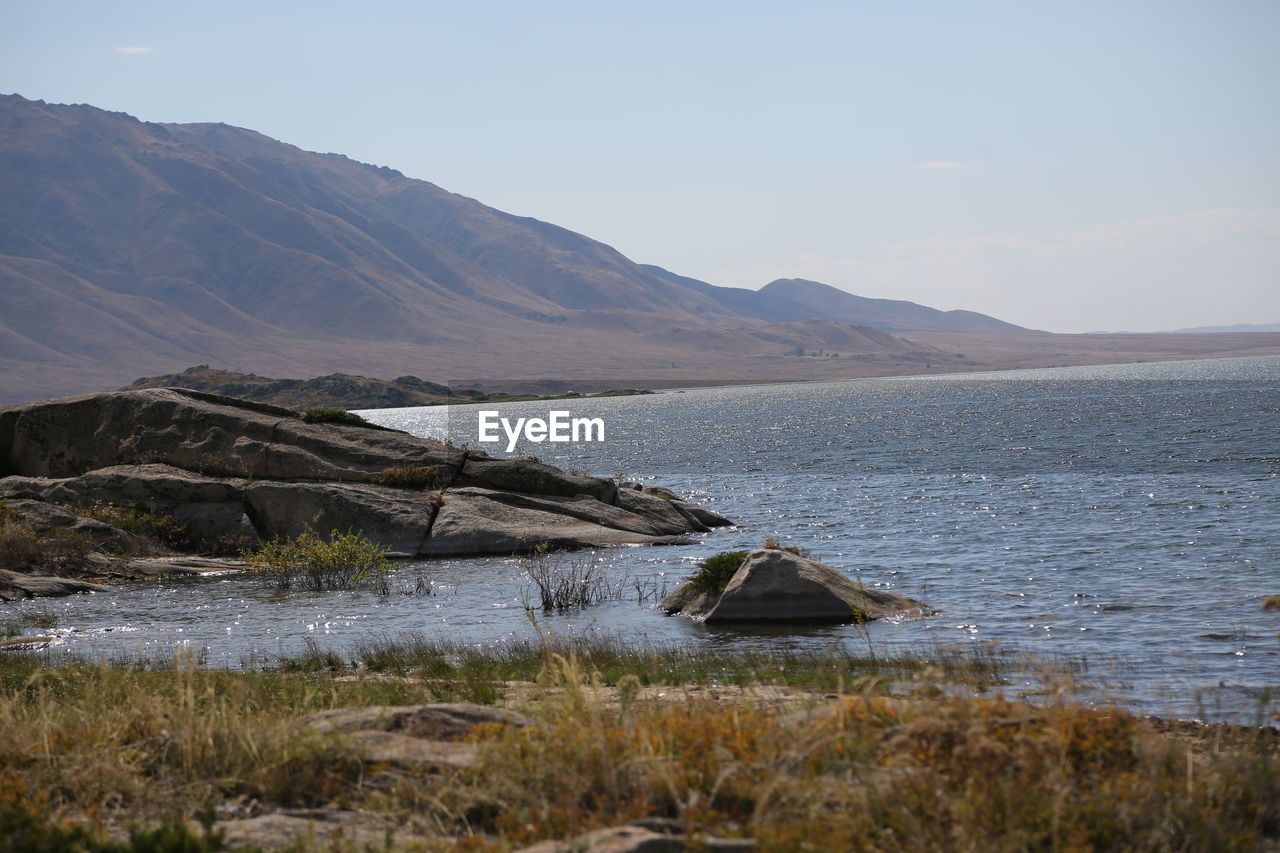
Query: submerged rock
[(774, 585)]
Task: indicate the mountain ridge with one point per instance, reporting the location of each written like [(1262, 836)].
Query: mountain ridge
[(133, 248)]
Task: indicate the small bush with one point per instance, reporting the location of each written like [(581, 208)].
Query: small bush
[(329, 415), (714, 573), (410, 477), (340, 561)]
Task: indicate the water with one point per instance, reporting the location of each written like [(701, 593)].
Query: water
[(1126, 516)]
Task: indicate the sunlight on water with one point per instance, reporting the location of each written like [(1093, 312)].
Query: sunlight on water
[(1125, 515)]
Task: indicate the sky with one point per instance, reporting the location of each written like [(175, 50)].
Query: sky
[(1065, 166)]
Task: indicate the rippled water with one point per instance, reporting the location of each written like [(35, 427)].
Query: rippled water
[(1126, 515)]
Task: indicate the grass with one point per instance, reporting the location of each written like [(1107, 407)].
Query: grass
[(329, 415), (46, 552), (715, 572), (18, 621), (569, 581), (795, 751), (317, 562), (609, 661), (410, 477), (141, 522)]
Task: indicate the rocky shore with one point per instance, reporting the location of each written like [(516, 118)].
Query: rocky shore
[(229, 474)]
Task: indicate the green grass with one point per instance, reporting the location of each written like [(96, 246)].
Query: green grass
[(714, 573), (610, 660), (319, 562)]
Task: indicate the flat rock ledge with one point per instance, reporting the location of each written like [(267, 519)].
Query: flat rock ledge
[(235, 473), (774, 585), (15, 586), (642, 839)]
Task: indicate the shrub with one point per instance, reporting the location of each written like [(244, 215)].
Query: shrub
[(410, 477), (339, 561), (330, 415), (714, 573)]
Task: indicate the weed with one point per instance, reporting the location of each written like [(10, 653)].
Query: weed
[(313, 659), (51, 552), (139, 521), (12, 626), (773, 544), (569, 581), (339, 561), (714, 573), (410, 477), (329, 415)]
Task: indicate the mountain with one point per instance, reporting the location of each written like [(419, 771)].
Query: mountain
[(1237, 329), (823, 300), (798, 299), (133, 248)]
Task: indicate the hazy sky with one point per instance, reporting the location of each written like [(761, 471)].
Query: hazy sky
[(1064, 165)]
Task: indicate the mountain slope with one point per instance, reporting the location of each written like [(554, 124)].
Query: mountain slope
[(130, 248), (823, 300)]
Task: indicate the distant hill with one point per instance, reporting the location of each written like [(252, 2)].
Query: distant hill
[(823, 300), (132, 248), (355, 392), (339, 390), (1237, 329)]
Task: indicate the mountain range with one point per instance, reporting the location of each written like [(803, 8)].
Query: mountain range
[(131, 248)]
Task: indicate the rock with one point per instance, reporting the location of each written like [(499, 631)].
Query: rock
[(664, 515), (212, 509), (418, 737), (633, 495), (234, 473), (531, 477), (1271, 602), (40, 514), (688, 600), (774, 585), (181, 565), (201, 432), (638, 839), (582, 507), (479, 521), (308, 829), (25, 644), (443, 721), (701, 514), (396, 519), (14, 585), (411, 753)]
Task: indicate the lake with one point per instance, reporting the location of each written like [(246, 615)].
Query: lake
[(1126, 517)]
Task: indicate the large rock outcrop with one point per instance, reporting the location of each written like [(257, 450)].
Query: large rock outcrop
[(775, 585), (243, 472)]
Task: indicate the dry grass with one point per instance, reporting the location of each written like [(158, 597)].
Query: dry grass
[(793, 767)]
